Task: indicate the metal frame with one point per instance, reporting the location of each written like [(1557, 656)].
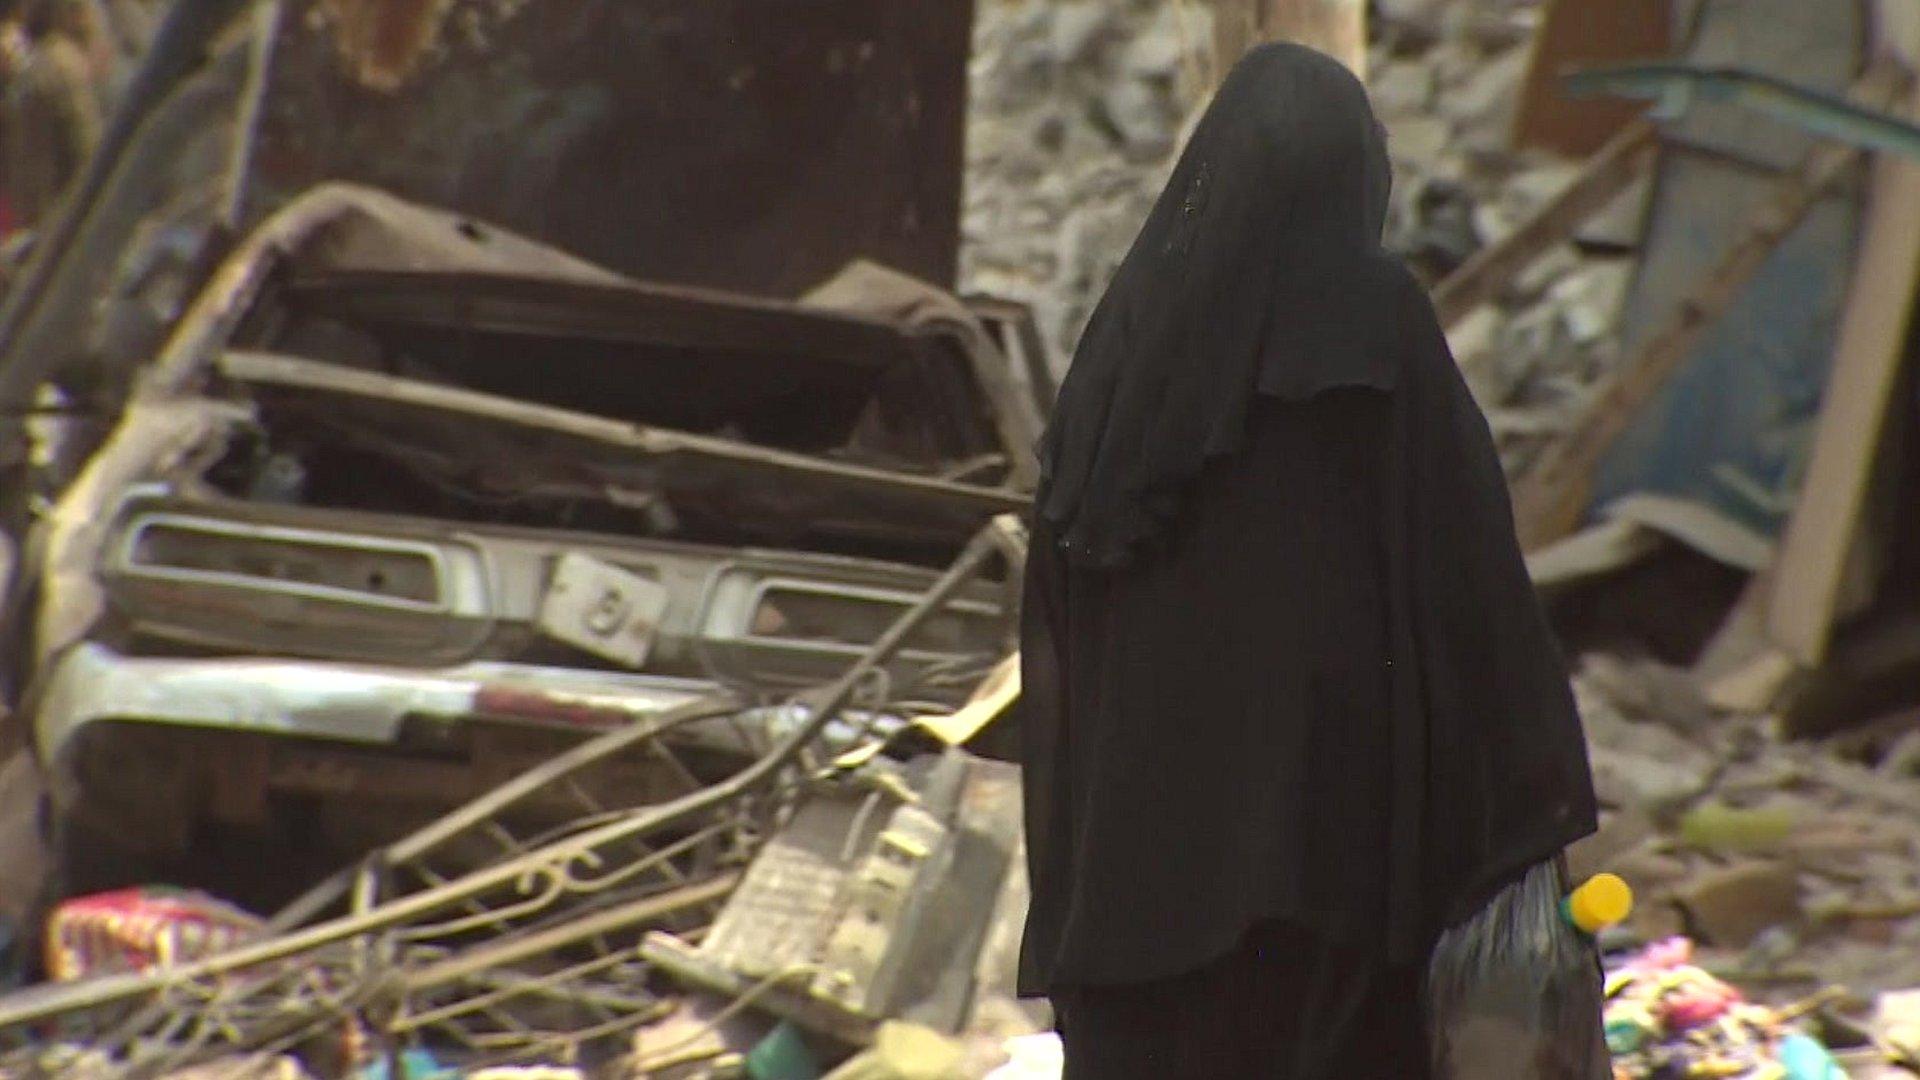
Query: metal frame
[(402, 958)]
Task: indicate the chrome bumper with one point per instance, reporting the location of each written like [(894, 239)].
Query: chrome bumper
[(352, 703)]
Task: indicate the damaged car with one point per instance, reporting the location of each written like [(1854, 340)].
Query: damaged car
[(407, 503)]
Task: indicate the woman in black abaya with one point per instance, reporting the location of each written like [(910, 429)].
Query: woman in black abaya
[(1291, 707)]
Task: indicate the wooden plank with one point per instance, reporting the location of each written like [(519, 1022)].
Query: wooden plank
[(1805, 601), (1585, 33), (1551, 498), (1492, 268), (1335, 27)]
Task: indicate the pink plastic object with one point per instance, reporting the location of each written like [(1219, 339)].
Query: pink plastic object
[(137, 929)]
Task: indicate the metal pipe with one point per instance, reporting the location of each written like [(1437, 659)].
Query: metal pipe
[(407, 849), (1675, 87), (470, 962)]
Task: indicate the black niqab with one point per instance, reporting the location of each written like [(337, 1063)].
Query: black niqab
[(1281, 657), (1259, 269)]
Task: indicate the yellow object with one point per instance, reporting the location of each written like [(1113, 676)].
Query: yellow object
[(1001, 689), (1603, 901), (1717, 827)]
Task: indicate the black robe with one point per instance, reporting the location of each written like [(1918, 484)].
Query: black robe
[(1295, 672)]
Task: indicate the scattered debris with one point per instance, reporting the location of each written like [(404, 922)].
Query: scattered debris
[(1666, 1017), (635, 708), (1789, 860)]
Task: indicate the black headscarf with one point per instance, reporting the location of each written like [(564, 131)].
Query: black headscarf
[(1259, 270), (1281, 658)]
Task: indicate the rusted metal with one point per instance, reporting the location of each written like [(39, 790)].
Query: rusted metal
[(534, 703), (474, 962), (382, 42), (522, 883)]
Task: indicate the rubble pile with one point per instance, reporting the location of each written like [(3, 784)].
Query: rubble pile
[(1794, 864), (541, 821), (1666, 1017), (1078, 107), (1445, 80)]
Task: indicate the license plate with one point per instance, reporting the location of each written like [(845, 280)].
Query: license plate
[(601, 609)]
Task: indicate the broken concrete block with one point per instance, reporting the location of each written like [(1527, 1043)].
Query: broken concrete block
[(1645, 782), (1608, 726), (1485, 98), (1650, 870), (1530, 189), (906, 1052), (1493, 222), (1401, 89), (1733, 906), (1411, 10), (1475, 335), (1419, 141), (1075, 25), (1896, 1018), (1160, 47), (1657, 919), (1141, 115), (1592, 296)]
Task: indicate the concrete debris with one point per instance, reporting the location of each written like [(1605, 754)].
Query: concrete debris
[(1482, 102), (1090, 96), (1073, 118), (589, 831), (1402, 90), (1733, 906), (1790, 862)]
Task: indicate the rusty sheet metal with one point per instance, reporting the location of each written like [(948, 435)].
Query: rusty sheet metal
[(751, 146), (1585, 33)]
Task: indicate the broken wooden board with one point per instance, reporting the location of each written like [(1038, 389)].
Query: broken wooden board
[(1824, 531), (1335, 27), (1579, 34), (1551, 499)]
